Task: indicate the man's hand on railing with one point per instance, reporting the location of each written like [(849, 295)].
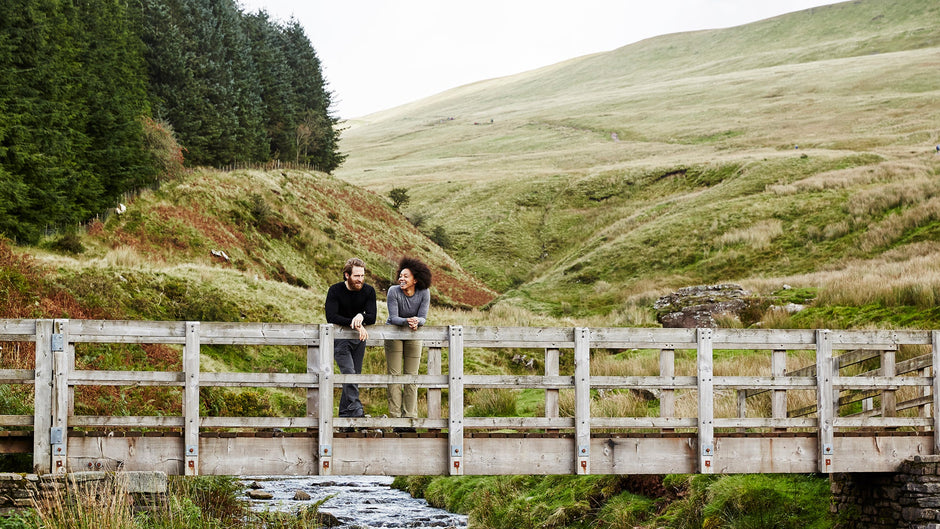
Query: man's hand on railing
[(357, 324)]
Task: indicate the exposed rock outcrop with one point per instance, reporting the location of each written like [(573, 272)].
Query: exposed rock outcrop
[(698, 306)]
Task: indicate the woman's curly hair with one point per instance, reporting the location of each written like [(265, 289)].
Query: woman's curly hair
[(419, 270)]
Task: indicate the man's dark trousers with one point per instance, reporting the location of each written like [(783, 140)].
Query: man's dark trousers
[(349, 355)]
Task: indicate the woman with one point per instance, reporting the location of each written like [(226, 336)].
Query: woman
[(408, 303)]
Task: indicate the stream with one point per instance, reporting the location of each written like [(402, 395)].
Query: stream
[(358, 502)]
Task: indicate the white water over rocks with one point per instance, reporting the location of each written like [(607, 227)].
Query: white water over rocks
[(358, 502)]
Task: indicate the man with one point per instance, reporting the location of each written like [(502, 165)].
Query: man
[(351, 303)]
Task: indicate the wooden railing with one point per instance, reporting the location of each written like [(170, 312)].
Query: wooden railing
[(583, 435)]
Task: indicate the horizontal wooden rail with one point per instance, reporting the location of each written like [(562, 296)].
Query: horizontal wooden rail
[(55, 377)]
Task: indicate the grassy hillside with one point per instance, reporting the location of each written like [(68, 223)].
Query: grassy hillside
[(285, 236), (797, 150)]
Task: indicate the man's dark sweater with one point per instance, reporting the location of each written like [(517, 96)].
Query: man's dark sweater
[(343, 304)]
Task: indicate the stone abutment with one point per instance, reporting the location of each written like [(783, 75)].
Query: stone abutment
[(908, 498)]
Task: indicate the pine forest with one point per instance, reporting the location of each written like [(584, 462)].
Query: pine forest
[(99, 98)]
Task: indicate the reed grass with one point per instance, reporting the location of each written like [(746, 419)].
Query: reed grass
[(69, 504), (206, 502), (489, 402), (758, 236)]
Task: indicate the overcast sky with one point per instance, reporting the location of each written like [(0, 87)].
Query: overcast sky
[(378, 54)]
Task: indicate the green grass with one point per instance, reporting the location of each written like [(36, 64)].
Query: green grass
[(749, 501), (891, 317), (728, 501)]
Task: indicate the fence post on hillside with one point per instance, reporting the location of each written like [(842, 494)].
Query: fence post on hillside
[(667, 399), (551, 370), (825, 399), (434, 394), (191, 399), (42, 402), (582, 400), (455, 399), (60, 396), (778, 397), (325, 404), (935, 352), (706, 401)]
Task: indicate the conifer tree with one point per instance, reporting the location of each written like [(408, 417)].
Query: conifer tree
[(113, 88), (312, 96), (268, 53)]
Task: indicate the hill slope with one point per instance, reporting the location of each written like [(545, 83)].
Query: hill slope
[(259, 239), (764, 154)]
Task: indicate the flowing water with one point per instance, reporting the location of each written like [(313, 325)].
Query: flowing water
[(357, 501)]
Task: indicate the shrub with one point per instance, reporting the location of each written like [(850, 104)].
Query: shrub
[(440, 237), (491, 403), (212, 497), (259, 209), (160, 141), (68, 243), (399, 196), (418, 219)]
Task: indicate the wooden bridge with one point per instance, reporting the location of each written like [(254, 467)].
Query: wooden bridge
[(867, 412)]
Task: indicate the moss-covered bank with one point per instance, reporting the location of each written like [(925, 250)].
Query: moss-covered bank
[(628, 502)]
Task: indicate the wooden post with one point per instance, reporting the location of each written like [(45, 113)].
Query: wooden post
[(325, 370), (42, 404), (313, 394), (741, 395), (551, 395), (924, 411), (825, 399), (889, 400), (434, 394), (778, 398), (667, 400), (60, 400), (706, 402), (455, 390), (191, 399), (935, 351), (70, 351), (582, 398)]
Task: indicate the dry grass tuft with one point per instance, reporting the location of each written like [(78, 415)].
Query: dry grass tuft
[(125, 257), (894, 226), (913, 281), (758, 236), (854, 177), (89, 505)]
